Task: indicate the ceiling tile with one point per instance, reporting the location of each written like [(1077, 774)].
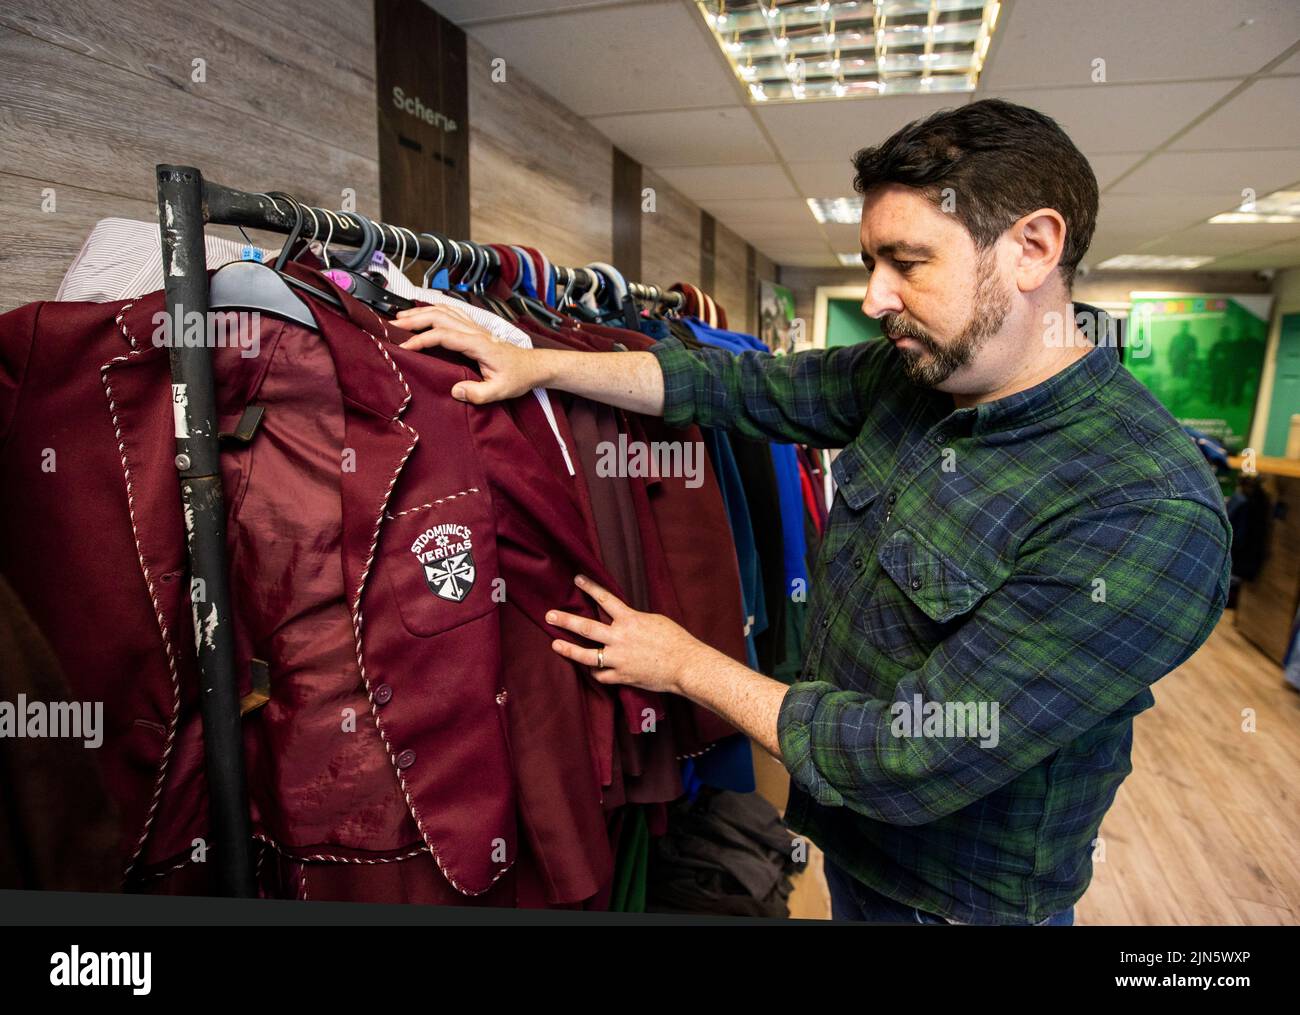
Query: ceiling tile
[(1291, 65), (1110, 118), (1108, 167), (1281, 255), (1154, 215), (1224, 240), (602, 60), (698, 137), (1056, 43), (833, 129), (710, 183), (1224, 174), (755, 230), (802, 259), (823, 179), (791, 211), (843, 237), (463, 11), (1262, 116)]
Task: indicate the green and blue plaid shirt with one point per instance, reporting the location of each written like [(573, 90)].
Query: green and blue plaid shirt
[(1052, 554)]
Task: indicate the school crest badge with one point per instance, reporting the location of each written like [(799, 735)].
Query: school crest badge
[(446, 552)]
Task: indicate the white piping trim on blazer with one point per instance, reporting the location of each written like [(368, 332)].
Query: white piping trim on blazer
[(153, 597), (357, 625)]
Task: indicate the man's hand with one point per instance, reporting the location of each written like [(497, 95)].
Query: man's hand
[(628, 380), (508, 370), (641, 649)]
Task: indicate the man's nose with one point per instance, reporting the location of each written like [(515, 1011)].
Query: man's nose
[(882, 297)]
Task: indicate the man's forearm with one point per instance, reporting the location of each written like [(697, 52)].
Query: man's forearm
[(743, 697), (628, 380)]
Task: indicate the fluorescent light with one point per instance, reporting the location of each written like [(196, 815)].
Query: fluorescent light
[(844, 210), (853, 260), (1279, 206), (1155, 262), (895, 47), (1229, 217)]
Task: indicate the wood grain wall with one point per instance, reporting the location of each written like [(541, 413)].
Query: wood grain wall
[(96, 94), (670, 235), (105, 91)]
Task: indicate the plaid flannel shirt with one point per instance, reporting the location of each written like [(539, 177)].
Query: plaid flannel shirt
[(1052, 553)]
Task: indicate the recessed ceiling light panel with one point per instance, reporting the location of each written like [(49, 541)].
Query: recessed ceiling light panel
[(844, 210), (1155, 262), (1279, 206), (791, 50)]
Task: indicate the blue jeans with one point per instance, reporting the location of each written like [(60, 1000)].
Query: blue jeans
[(852, 900)]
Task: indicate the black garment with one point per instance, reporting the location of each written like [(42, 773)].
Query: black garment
[(1249, 510), (758, 476), (725, 853)]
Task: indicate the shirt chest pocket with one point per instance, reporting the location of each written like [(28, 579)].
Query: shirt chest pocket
[(922, 597), (440, 561)]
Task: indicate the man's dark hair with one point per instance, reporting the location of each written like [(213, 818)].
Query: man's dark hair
[(1001, 160)]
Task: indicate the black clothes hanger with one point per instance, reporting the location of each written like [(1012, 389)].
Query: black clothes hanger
[(251, 285), (368, 287)]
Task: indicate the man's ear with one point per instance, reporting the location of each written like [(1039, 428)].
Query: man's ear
[(1040, 237)]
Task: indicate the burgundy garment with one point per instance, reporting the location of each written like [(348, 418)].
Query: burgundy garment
[(48, 785), (432, 725), (704, 574), (648, 771)]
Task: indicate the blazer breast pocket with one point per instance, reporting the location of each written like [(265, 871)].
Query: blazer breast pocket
[(440, 561), (922, 597)]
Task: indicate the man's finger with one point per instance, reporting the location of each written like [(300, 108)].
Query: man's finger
[(423, 317), (582, 656), (445, 337), (609, 602), (587, 628)]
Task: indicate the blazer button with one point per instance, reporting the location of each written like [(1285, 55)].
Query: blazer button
[(383, 694), (406, 759), (916, 584)]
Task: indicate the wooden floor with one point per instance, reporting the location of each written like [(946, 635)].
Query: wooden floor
[(1206, 830)]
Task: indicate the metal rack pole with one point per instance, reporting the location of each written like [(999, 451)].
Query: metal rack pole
[(181, 214)]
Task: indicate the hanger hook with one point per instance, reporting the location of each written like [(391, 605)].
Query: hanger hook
[(329, 235), (433, 267)]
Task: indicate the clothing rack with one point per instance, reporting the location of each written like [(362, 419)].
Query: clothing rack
[(187, 203)]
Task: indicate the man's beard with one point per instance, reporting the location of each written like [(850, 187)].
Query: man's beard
[(990, 309)]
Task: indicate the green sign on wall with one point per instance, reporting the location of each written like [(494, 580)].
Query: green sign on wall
[(1202, 357)]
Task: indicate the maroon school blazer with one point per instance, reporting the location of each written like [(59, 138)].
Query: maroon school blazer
[(380, 535)]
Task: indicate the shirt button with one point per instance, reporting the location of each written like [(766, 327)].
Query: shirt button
[(916, 584), (857, 562), (383, 694), (826, 622), (406, 759), (892, 498)]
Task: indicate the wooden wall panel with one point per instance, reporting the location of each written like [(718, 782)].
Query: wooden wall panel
[(540, 175), (424, 170), (729, 287), (670, 236), (105, 92), (627, 215)]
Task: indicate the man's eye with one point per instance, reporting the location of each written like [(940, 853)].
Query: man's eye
[(905, 266)]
